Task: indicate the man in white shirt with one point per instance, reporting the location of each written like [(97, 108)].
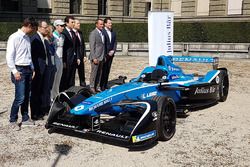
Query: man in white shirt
[(110, 49), (19, 61)]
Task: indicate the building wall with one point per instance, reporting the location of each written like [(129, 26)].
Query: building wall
[(161, 4), (176, 7), (89, 7), (202, 7), (60, 6), (115, 7), (246, 7), (188, 8), (218, 7), (185, 10)]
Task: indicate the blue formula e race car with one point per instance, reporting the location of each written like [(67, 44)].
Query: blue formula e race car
[(144, 109)]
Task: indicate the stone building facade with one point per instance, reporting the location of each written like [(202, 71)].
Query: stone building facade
[(126, 10)]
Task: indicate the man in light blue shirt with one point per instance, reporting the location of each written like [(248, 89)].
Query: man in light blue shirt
[(19, 61)]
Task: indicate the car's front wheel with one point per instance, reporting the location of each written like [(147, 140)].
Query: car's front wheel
[(166, 120)]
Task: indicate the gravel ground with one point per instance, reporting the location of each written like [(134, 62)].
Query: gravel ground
[(217, 136)]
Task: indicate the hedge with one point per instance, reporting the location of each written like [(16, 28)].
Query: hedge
[(218, 32)]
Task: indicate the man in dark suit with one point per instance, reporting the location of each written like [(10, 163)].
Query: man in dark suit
[(110, 49), (81, 53), (96, 56), (69, 54), (40, 89)]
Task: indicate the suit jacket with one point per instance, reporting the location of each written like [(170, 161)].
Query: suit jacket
[(81, 50), (38, 54), (69, 48), (109, 44), (96, 46)]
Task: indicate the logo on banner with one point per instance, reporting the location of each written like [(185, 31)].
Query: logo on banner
[(160, 35)]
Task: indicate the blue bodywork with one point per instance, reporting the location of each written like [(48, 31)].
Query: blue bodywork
[(143, 109), (139, 90)]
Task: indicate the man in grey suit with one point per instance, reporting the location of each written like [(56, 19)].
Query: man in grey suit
[(96, 56)]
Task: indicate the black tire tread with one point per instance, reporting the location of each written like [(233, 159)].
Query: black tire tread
[(161, 100), (223, 78)]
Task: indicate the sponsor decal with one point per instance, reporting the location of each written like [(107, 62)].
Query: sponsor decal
[(112, 134), (174, 76), (154, 115), (64, 125), (217, 79), (193, 59), (150, 94), (100, 104), (203, 90), (95, 123), (79, 108), (170, 68), (144, 136)]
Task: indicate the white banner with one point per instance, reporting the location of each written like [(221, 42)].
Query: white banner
[(160, 35)]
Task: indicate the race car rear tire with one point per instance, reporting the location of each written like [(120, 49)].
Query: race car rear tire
[(166, 119), (223, 85)]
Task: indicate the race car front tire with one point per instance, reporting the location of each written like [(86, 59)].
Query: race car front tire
[(166, 119)]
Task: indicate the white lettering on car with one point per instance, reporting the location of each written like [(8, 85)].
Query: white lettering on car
[(203, 90), (112, 134), (100, 104), (150, 94)]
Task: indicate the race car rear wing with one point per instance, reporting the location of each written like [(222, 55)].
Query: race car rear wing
[(197, 59)]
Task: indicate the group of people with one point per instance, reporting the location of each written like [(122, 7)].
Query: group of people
[(45, 63), (102, 44)]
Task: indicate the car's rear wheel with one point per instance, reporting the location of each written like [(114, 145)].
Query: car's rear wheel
[(223, 85), (166, 119)]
